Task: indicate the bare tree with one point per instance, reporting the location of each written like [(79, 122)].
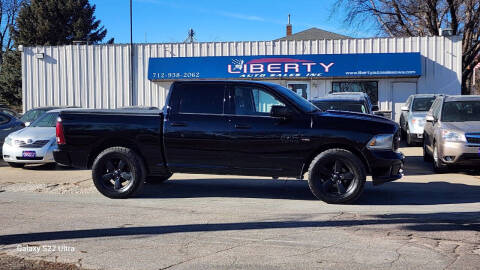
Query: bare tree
[(406, 18), (9, 11)]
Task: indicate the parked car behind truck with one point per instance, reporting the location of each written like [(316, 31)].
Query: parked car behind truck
[(452, 132), (412, 119), (349, 103), (231, 127), (33, 144)]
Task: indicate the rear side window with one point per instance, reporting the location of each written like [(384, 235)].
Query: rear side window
[(198, 98), (32, 115), (46, 120)]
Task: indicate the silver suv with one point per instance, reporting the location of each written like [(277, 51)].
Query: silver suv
[(413, 115), (452, 132)]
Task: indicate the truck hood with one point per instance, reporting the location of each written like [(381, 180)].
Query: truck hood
[(34, 133), (360, 122), (466, 127)]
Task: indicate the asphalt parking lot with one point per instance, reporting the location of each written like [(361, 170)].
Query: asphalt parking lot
[(423, 221)]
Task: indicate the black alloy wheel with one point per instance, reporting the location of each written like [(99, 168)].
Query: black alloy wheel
[(337, 176), (118, 172)]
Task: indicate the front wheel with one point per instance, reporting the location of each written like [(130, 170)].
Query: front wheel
[(409, 138), (118, 172), (426, 156), (337, 176), (16, 165), (438, 165)]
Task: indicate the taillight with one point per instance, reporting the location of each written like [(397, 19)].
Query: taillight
[(59, 132)]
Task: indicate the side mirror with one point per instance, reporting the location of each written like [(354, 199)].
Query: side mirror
[(375, 108), (404, 108), (429, 118), (27, 124), (280, 111)]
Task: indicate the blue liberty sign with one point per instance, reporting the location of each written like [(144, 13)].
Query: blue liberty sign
[(286, 66)]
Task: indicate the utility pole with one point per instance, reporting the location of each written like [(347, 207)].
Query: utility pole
[(132, 76)]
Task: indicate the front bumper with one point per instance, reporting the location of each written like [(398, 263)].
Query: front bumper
[(416, 133), (44, 154), (459, 153), (385, 166)]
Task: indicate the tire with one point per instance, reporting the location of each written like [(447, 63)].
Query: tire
[(337, 176), (50, 166), (426, 156), (409, 137), (16, 165), (157, 179), (438, 166), (118, 172)]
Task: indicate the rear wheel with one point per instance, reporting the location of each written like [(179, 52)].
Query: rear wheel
[(118, 172), (16, 165), (158, 179), (337, 176)]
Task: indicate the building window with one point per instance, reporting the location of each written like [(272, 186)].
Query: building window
[(368, 87), (302, 89)]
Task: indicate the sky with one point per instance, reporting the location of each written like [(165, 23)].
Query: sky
[(216, 20)]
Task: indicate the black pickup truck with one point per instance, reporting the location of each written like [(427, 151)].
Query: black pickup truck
[(235, 128)]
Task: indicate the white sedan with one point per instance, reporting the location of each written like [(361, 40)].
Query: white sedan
[(33, 144)]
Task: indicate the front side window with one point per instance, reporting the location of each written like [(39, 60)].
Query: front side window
[(198, 98), (253, 101), (368, 87), (422, 104), (461, 111), (46, 120)]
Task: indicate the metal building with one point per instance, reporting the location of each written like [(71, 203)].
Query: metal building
[(99, 76)]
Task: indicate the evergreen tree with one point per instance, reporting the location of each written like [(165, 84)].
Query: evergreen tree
[(57, 22), (47, 22), (11, 78)]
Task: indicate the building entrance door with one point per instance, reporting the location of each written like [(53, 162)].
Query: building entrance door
[(400, 92)]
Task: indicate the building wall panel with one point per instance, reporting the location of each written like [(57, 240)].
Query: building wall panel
[(98, 76)]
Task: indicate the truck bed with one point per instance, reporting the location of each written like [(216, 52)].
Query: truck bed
[(88, 131)]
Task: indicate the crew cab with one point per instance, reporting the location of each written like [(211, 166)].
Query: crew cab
[(231, 128)]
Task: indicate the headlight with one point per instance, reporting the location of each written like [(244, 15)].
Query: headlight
[(8, 141), (452, 136), (381, 142), (418, 121)]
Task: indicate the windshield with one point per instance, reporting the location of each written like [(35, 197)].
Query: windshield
[(422, 104), (32, 115), (304, 104), (461, 111), (46, 120), (341, 106)]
